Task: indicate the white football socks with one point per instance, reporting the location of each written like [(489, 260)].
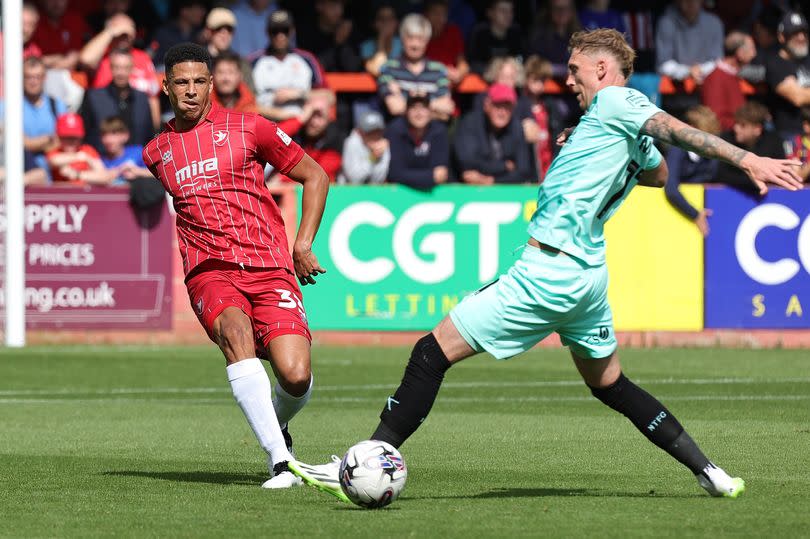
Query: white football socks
[(252, 391), (286, 405)]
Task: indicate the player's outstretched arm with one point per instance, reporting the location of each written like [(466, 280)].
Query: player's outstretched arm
[(761, 170), (316, 185)]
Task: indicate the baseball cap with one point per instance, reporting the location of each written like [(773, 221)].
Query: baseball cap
[(371, 121), (280, 19), (219, 17), (501, 93), (792, 23), (70, 125)]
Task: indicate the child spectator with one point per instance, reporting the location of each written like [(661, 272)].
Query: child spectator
[(366, 153), (420, 151), (446, 44), (72, 162), (123, 161), (385, 44)]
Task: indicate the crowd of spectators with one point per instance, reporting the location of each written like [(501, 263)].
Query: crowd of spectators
[(93, 70)]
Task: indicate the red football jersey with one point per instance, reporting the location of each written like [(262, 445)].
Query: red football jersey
[(215, 174)]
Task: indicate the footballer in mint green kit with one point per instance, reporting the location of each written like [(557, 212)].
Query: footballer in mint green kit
[(563, 277), (559, 284)]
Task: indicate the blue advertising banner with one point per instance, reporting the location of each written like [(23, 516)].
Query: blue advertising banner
[(758, 260)]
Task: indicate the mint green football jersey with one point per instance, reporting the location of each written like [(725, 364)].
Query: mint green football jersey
[(593, 173)]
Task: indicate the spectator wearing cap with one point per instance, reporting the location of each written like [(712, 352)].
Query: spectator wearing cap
[(60, 35), (220, 26), (331, 38), (284, 76), (252, 16), (446, 44), (118, 98), (721, 90), (366, 154), (688, 42), (186, 25), (230, 91), (497, 37), (787, 73), (420, 151), (123, 161), (413, 73), (73, 162), (490, 146), (119, 33), (39, 111)]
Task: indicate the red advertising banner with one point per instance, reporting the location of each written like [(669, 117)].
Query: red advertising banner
[(93, 262)]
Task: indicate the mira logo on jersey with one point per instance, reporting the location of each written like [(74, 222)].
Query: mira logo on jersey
[(758, 260), (197, 170)]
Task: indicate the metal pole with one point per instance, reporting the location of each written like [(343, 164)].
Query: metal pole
[(15, 238)]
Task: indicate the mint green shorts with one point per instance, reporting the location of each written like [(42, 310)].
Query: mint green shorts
[(541, 293)]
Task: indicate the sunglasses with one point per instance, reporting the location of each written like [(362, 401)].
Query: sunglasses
[(227, 28), (274, 31)]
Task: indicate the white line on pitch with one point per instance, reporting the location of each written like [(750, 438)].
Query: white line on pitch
[(505, 400), (391, 386)]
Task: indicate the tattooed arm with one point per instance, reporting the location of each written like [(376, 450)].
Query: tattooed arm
[(761, 170)]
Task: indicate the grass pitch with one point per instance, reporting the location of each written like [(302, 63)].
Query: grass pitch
[(148, 442)]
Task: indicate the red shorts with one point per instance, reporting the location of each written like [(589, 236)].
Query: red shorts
[(269, 296)]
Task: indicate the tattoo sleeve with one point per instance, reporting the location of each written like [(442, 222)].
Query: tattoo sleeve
[(664, 127)]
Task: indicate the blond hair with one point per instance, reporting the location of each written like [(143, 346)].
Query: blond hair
[(605, 40), (703, 118), (496, 64)]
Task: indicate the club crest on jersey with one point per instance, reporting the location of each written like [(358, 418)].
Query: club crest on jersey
[(220, 137), (167, 156), (200, 306), (285, 138), (197, 170)]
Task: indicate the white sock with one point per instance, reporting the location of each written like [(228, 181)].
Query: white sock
[(286, 405), (252, 391)]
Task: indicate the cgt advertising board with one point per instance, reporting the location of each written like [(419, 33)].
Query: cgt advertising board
[(758, 260), (92, 262)]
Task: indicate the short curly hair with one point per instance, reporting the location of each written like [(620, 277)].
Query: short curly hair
[(605, 40), (186, 52)]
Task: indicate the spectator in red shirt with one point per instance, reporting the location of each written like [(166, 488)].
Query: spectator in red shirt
[(230, 91), (119, 33), (317, 134), (538, 71), (721, 90), (73, 162), (60, 35), (30, 20), (446, 44)]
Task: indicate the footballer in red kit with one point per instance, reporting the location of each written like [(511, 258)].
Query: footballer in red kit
[(240, 275)]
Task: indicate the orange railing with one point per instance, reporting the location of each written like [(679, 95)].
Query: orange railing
[(471, 84)]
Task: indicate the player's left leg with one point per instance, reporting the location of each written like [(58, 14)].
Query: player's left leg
[(608, 384)]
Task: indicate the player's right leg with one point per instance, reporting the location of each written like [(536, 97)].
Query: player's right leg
[(225, 314)]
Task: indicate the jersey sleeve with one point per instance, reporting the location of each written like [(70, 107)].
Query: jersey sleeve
[(624, 110), (274, 146), (652, 156)]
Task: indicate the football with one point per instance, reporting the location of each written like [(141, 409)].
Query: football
[(372, 474)]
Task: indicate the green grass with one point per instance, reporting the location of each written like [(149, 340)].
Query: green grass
[(147, 442)]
